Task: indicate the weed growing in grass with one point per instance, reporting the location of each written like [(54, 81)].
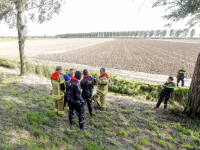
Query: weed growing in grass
[(189, 132), (147, 120), (137, 146), (154, 128), (106, 118), (189, 146), (110, 133), (147, 112), (197, 140), (97, 124), (44, 99), (180, 136), (145, 142), (29, 103), (1, 90), (106, 124), (162, 143), (42, 103), (7, 128), (28, 144), (13, 92), (93, 146), (92, 120), (170, 139), (170, 146), (122, 132), (179, 127)]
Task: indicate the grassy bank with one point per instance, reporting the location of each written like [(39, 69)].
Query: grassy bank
[(121, 86), (28, 122)]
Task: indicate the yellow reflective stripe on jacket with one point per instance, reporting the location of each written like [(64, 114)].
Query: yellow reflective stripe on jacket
[(57, 96), (171, 87), (60, 112), (58, 86), (103, 105), (103, 82), (63, 81)]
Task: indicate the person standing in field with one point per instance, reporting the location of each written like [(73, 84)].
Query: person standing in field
[(168, 89), (87, 86), (58, 89), (181, 75), (67, 78), (76, 101), (101, 90)]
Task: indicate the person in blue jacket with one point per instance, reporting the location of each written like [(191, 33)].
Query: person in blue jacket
[(168, 89), (75, 101), (67, 78), (87, 86)]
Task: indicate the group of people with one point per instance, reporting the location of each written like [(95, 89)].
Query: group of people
[(68, 89)]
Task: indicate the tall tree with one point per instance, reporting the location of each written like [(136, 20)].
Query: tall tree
[(172, 33), (178, 33), (141, 33), (185, 32), (192, 33), (164, 33), (158, 33), (146, 33), (181, 9), (17, 12), (151, 33)]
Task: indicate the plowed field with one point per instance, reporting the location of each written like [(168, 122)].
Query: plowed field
[(149, 56)]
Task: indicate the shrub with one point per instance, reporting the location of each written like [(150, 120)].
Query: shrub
[(188, 145), (144, 141), (147, 112), (162, 143), (122, 132), (137, 146)]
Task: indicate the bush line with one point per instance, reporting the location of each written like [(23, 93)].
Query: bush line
[(121, 86)]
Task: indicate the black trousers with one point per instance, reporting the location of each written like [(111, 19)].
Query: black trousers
[(79, 109), (182, 80), (162, 96), (65, 100), (89, 104)]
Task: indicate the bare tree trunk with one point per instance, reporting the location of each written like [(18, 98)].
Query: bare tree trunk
[(193, 106), (21, 38)]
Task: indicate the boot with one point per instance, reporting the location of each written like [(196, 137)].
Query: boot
[(81, 123), (165, 106)]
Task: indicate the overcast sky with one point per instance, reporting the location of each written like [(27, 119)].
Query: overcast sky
[(100, 15)]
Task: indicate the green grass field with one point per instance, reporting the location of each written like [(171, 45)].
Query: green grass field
[(28, 122)]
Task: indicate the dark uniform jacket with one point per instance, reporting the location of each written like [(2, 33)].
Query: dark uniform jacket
[(168, 88), (181, 74), (87, 85), (75, 92)]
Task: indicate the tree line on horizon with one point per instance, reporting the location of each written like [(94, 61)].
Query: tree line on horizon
[(140, 34)]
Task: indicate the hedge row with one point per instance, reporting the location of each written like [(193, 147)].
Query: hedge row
[(121, 86)]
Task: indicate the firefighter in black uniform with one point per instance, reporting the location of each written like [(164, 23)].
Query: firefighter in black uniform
[(168, 89), (76, 101), (87, 86), (181, 75)]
